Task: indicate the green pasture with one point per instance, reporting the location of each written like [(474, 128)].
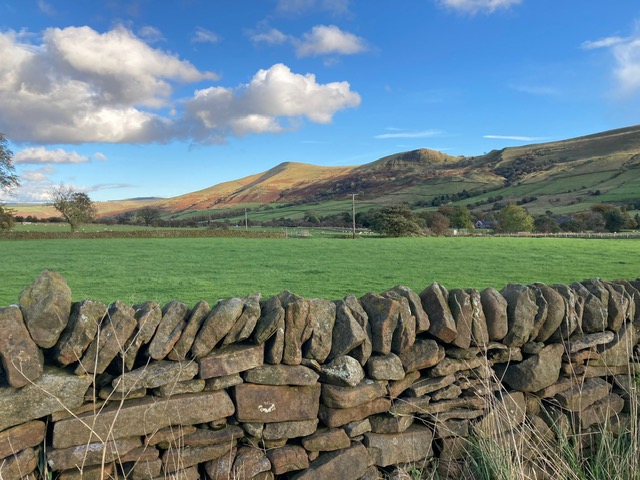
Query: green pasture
[(190, 269)]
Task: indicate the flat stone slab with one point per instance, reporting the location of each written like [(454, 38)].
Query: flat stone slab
[(590, 340), (326, 440), (346, 397), (20, 437), (177, 459), (142, 417), (268, 403), (349, 463), (281, 375), (583, 395), (336, 417), (155, 374), (410, 446), (280, 430), (90, 454), (54, 391), (424, 353), (231, 359), (19, 466), (287, 459)]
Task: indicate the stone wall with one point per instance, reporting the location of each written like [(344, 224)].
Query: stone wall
[(296, 388)]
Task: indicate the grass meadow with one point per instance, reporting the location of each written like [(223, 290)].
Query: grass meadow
[(190, 269)]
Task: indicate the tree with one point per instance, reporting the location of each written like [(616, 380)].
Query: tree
[(149, 215), (514, 218), (76, 207), (461, 217), (615, 218), (6, 218), (546, 225), (8, 178), (437, 222), (397, 221)]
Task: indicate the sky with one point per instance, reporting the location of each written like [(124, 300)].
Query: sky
[(140, 98)]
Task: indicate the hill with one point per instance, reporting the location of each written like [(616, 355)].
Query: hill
[(561, 176)]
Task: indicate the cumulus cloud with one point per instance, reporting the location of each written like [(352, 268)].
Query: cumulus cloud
[(202, 35), (626, 55), (271, 102), (422, 134), (42, 155), (329, 40), (272, 36), (81, 86), (478, 6)]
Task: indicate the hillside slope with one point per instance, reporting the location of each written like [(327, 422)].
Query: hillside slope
[(567, 175)]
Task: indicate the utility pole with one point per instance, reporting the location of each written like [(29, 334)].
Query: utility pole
[(246, 222), (353, 214)]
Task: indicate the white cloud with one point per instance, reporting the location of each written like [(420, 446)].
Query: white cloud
[(272, 102), (626, 55), (329, 40), (46, 8), (272, 36), (39, 175), (151, 34), (477, 6), (100, 156), (422, 134), (80, 86), (42, 155), (602, 43), (83, 86), (202, 35)]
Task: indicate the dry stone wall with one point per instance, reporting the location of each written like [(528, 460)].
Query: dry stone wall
[(298, 388)]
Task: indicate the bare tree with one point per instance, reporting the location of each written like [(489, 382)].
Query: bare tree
[(76, 207)]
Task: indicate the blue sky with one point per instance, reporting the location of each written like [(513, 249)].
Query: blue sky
[(132, 98)]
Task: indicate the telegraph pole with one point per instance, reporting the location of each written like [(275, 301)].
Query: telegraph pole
[(353, 213), (246, 222)]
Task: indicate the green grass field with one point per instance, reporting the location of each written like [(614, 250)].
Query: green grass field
[(190, 269)]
